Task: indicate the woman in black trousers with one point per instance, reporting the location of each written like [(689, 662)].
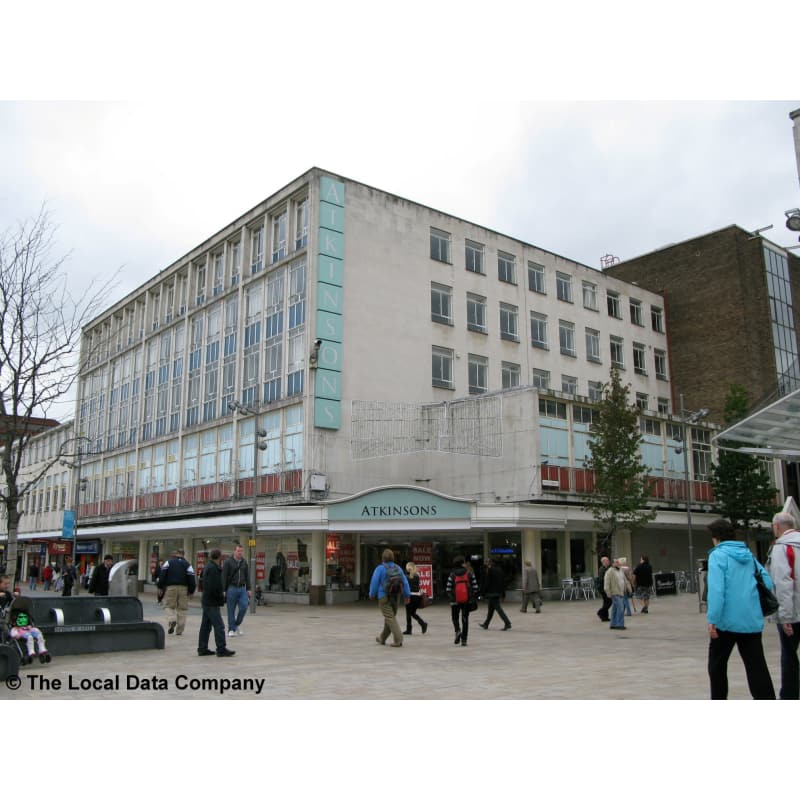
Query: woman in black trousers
[(414, 603)]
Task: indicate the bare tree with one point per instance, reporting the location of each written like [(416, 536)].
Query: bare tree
[(40, 340)]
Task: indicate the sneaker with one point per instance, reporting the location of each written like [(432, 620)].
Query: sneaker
[(205, 652), (240, 631), (232, 633), (171, 628), (225, 653)]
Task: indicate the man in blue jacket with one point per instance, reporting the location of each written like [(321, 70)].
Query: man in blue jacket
[(734, 613), (389, 584), (178, 581)]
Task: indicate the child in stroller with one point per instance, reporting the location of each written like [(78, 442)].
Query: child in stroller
[(15, 613)]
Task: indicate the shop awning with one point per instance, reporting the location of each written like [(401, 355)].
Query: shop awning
[(772, 431)]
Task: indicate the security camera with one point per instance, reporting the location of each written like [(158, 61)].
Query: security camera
[(317, 344), (793, 219)]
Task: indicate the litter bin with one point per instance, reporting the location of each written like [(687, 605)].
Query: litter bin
[(123, 580)]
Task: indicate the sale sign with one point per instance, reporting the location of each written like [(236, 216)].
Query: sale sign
[(425, 578)]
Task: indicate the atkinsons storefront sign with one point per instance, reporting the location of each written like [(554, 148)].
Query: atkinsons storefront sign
[(419, 508)]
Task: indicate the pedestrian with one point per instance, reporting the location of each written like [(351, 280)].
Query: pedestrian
[(69, 577), (33, 577), (178, 581), (415, 601), (531, 589), (99, 582), (213, 598), (236, 585), (626, 600), (615, 585), (783, 566), (602, 612), (388, 584), (734, 613), (494, 589), (462, 589), (643, 582), (47, 576)]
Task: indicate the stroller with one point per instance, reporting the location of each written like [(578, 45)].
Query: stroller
[(17, 614)]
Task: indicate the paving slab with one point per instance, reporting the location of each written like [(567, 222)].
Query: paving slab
[(296, 652)]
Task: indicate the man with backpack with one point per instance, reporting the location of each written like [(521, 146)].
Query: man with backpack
[(389, 584), (462, 589)]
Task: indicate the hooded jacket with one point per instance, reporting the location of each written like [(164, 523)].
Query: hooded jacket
[(732, 595), (786, 590)]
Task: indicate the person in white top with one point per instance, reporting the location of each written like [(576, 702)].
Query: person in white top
[(783, 566)]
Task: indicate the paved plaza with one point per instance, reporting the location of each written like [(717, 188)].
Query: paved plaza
[(299, 652)]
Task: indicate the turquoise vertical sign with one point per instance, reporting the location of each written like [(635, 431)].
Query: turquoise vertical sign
[(330, 297)]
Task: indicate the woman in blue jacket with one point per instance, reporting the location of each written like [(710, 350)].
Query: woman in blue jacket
[(734, 614)]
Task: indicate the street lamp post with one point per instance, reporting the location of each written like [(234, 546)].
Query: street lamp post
[(686, 420), (259, 442), (74, 461)]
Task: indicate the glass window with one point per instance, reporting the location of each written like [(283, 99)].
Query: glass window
[(539, 330), (564, 287), (440, 245), (476, 313), (636, 312), (612, 299), (552, 408), (651, 427), (473, 257), (657, 319), (590, 296), (257, 250), (641, 401), (595, 391), (301, 224), (639, 362), (442, 367), (663, 405), (506, 267), (441, 304), (536, 277), (569, 384), (582, 414), (661, 364), (279, 237), (510, 374), (540, 379), (478, 374), (566, 338), (508, 322), (617, 352), (593, 345)]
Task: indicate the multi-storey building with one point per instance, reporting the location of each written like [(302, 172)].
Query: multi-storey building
[(730, 300), (382, 374)]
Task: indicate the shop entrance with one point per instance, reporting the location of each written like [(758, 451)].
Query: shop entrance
[(438, 552)]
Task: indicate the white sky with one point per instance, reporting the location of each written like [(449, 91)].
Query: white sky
[(501, 113)]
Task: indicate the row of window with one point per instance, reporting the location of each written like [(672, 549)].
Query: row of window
[(474, 259), (442, 312), (442, 359)]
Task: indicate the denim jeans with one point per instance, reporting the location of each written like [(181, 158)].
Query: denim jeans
[(617, 611), (790, 672), (236, 596)]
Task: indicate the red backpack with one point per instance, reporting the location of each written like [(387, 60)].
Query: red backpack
[(461, 587)]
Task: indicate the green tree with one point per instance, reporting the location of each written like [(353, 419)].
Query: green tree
[(621, 480), (742, 485)]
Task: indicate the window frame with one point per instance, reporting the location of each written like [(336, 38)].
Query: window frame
[(509, 313), (478, 254), (613, 304), (539, 271), (441, 291), (480, 364), (506, 263), (445, 356), (443, 242), (476, 301), (540, 320), (564, 287)]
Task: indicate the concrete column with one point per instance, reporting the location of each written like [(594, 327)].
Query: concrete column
[(144, 562), (317, 588), (563, 555), (532, 548)]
